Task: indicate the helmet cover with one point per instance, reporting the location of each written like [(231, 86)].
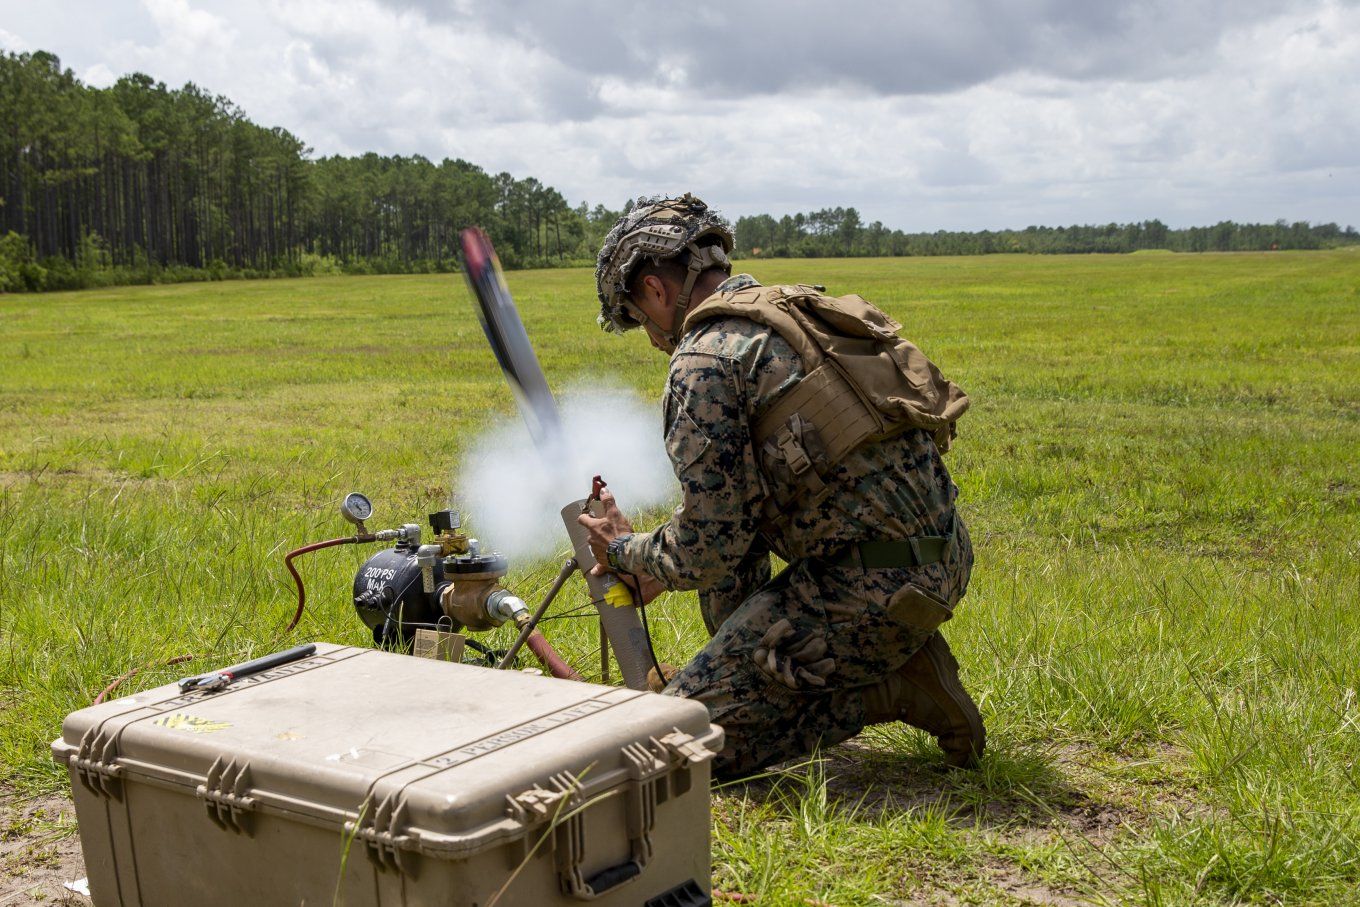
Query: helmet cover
[(654, 229)]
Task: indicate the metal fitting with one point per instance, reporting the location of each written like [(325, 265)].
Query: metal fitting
[(469, 602), (502, 606), (427, 556), (408, 534)]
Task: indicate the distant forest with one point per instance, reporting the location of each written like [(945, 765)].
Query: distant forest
[(139, 183), (841, 232)]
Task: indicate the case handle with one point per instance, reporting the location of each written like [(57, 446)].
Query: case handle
[(606, 880), (646, 771)]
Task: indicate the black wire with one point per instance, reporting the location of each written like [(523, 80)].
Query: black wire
[(571, 612), (632, 581), (492, 655)]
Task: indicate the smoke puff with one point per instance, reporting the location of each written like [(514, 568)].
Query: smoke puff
[(513, 493)]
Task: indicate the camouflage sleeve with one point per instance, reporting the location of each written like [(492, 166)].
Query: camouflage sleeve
[(717, 603), (709, 443)]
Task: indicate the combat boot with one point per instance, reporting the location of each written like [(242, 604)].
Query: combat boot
[(926, 693)]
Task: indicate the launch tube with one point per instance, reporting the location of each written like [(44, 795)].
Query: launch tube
[(621, 625)]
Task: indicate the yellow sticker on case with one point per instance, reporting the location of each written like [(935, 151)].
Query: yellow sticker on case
[(193, 724)]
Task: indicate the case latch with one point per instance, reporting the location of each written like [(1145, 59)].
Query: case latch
[(533, 805), (95, 764), (687, 748), (387, 845), (224, 794)]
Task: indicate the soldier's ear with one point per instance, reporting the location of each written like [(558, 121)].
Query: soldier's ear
[(655, 291)]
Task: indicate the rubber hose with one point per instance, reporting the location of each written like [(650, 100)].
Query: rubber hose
[(118, 681), (302, 591), (544, 651)]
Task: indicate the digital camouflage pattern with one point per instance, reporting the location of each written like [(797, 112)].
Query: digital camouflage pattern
[(780, 691)]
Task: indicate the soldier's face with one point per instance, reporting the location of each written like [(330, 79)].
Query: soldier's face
[(656, 301)]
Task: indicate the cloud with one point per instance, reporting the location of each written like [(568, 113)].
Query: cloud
[(918, 47), (188, 27), (13, 43), (99, 75), (921, 115)]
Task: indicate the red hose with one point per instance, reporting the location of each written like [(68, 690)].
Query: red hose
[(118, 681), (543, 650), (302, 591)]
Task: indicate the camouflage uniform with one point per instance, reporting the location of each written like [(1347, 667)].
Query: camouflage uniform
[(780, 690)]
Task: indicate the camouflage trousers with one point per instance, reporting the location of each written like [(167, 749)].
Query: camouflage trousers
[(784, 671)]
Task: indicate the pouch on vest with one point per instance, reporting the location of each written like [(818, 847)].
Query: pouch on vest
[(918, 608)]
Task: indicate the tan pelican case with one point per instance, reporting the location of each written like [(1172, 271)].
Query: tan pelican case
[(361, 777)]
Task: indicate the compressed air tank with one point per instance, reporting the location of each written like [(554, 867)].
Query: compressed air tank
[(391, 599)]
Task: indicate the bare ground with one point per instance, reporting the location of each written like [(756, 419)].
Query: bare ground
[(39, 851)]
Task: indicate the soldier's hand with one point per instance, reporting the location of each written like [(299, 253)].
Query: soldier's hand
[(605, 528)]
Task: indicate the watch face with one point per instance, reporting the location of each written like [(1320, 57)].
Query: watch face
[(356, 507)]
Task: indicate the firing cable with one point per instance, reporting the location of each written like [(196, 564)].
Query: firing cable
[(635, 586)]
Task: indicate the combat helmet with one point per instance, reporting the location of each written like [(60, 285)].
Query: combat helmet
[(657, 229)]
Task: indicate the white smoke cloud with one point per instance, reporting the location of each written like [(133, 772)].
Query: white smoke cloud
[(512, 496)]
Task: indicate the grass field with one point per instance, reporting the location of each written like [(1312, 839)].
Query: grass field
[(1161, 470)]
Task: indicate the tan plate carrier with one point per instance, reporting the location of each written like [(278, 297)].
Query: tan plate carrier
[(863, 382)]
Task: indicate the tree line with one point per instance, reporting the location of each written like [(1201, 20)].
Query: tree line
[(138, 182), (836, 232)]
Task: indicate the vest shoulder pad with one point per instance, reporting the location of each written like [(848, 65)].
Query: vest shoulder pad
[(767, 306)]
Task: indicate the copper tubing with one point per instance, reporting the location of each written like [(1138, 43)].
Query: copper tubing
[(297, 615), (306, 549), (539, 645)]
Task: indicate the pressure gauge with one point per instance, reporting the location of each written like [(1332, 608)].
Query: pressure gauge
[(356, 508)]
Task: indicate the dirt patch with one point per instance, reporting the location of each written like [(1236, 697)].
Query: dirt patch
[(39, 851), (1019, 791), (1071, 806), (1023, 888)]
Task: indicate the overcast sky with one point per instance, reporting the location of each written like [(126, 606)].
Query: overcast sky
[(924, 115)]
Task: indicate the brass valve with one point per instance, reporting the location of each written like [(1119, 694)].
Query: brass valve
[(474, 598)]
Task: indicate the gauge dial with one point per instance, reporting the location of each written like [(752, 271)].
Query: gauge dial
[(356, 508)]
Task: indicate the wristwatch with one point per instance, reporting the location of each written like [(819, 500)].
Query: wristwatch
[(615, 550)]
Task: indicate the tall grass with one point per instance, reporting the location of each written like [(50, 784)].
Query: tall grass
[(1159, 469)]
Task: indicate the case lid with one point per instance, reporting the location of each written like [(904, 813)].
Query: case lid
[(414, 753)]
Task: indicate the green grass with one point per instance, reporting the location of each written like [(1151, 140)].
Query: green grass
[(1161, 470)]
